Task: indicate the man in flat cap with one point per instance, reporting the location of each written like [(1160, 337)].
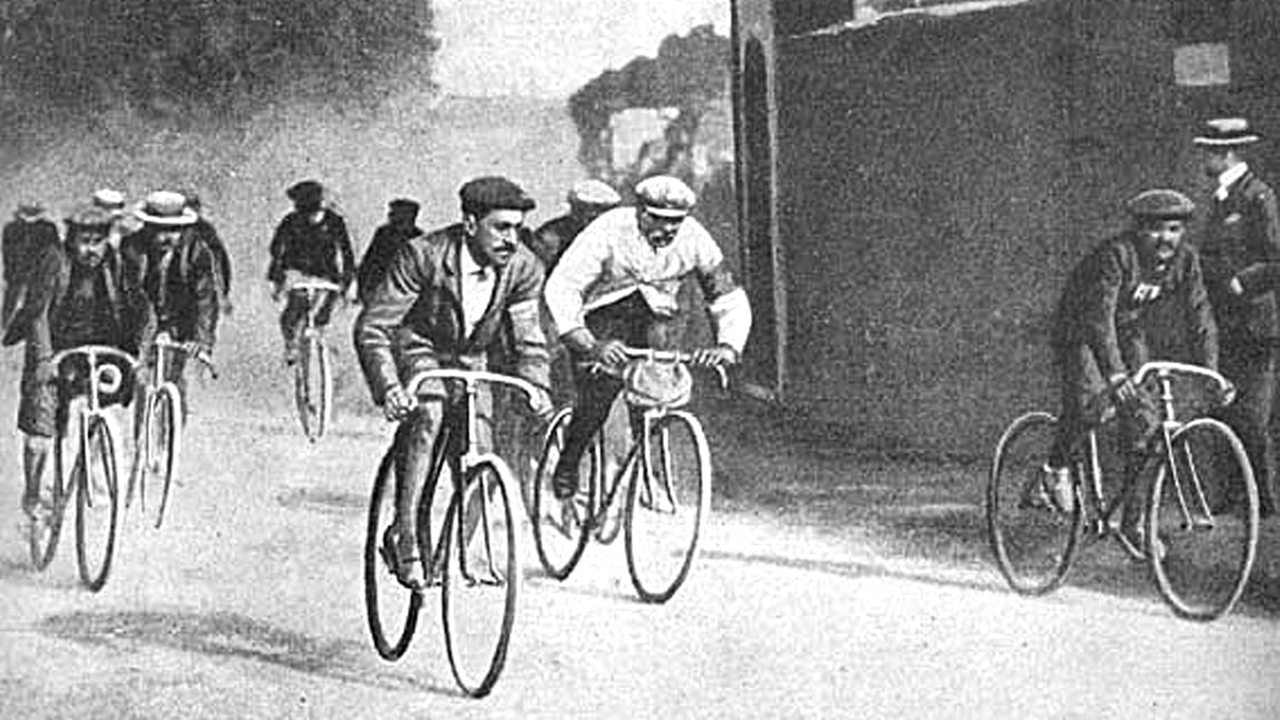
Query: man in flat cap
[(179, 274), (401, 226), (83, 293), (310, 243), (26, 237), (1241, 233), (1137, 296), (444, 302), (617, 286)]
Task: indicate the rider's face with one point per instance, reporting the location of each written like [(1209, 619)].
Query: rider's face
[(659, 230), (89, 246), (1160, 238), (167, 237), (493, 237)]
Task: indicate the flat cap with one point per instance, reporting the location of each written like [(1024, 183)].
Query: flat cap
[(1226, 132), (593, 192), (90, 215), (29, 209), (1162, 204), (493, 192), (665, 196), (404, 205), (305, 191)]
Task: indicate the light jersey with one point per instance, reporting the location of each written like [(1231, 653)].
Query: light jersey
[(610, 259), (478, 282)]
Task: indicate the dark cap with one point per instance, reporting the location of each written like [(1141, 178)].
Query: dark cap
[(1226, 133), (493, 192), (29, 210), (1161, 204), (307, 191), (403, 205)]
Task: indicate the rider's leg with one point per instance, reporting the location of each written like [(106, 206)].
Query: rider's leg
[(38, 419), (292, 319), (413, 443)]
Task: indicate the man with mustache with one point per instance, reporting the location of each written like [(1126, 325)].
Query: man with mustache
[(449, 299), (1138, 296)]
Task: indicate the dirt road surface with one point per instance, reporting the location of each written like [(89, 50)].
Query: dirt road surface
[(830, 584)]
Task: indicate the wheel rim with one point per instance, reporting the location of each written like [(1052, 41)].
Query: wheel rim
[(391, 609), (96, 505), (1203, 516), (665, 511), (163, 452), (309, 390), (43, 535), (481, 580), (559, 528), (1034, 544)]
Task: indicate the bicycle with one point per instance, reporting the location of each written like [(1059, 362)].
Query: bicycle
[(475, 556), (1200, 533), (313, 379), (668, 474), (93, 478), (159, 438)]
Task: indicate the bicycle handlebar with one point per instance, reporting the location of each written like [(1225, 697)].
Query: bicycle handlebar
[(413, 387), (1162, 368), (164, 340), (318, 285), (92, 352), (672, 356)]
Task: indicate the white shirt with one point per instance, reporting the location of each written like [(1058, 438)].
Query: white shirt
[(478, 283), (610, 259), (1228, 178)]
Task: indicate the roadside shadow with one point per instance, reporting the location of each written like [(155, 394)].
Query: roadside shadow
[(231, 635), (537, 577)]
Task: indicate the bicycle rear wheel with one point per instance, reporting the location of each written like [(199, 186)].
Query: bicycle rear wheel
[(561, 527), (162, 442), (42, 536), (1202, 519), (96, 504), (667, 499), (391, 608), (1034, 544), (481, 577)]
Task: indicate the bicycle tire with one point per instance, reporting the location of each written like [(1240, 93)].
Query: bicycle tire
[(378, 576), (1034, 546), (560, 529), (325, 411), (42, 538), (163, 446), (482, 577), (102, 492), (308, 396), (665, 493), (1201, 562)]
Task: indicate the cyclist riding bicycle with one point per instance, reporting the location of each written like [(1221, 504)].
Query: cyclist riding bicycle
[(447, 300), (311, 242), (1138, 296), (617, 285), (81, 293)]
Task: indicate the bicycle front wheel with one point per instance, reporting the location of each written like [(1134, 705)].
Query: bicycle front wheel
[(481, 577), (163, 439), (667, 499), (1034, 540), (391, 608), (42, 536), (314, 387), (1202, 521), (561, 527), (96, 504)]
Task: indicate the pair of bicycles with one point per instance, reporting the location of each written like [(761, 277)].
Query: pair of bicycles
[(1200, 533), (93, 479), (468, 529)]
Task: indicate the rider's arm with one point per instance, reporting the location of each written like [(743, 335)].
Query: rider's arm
[(406, 278), (727, 302), (203, 285), (1098, 312), (346, 257), (582, 265), (46, 281), (524, 308), (279, 248), (1202, 329)]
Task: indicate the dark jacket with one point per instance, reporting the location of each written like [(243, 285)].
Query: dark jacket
[(117, 313), (382, 250), (1123, 310), (320, 250), (24, 245), (1241, 234), (185, 299), (554, 236), (417, 309), (222, 261)]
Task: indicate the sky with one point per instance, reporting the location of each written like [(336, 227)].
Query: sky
[(550, 48)]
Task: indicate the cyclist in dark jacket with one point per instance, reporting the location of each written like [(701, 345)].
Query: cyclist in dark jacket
[(310, 242), (402, 215), (26, 238)]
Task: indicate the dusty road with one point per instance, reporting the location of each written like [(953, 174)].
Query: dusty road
[(827, 587)]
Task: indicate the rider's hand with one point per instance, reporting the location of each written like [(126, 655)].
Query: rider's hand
[(540, 404), (718, 356), (45, 371), (1227, 395), (1123, 389), (1235, 286), (397, 404), (276, 289), (610, 353)]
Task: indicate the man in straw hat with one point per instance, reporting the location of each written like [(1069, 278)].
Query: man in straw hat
[(1111, 318), (26, 237), (1241, 233), (588, 200), (178, 273), (81, 294)]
